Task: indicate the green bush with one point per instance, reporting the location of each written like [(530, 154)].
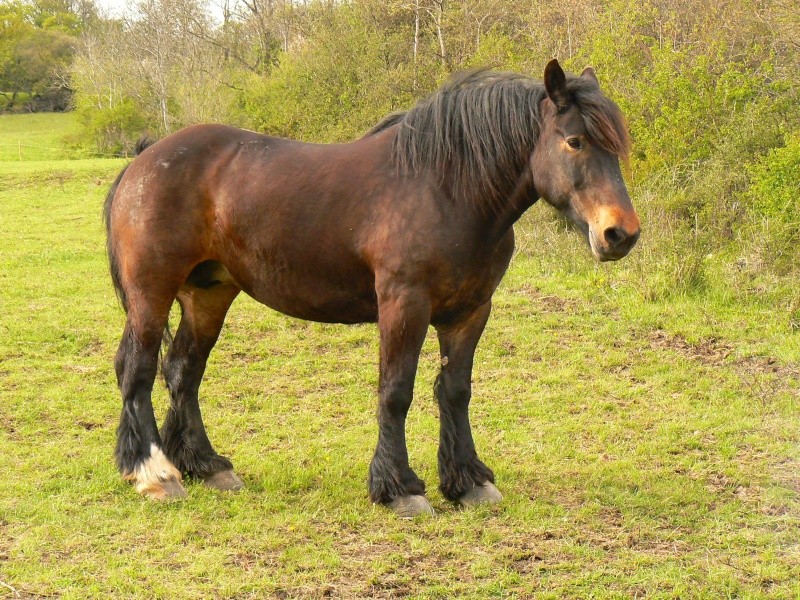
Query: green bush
[(343, 81), (113, 130), (775, 183), (773, 205)]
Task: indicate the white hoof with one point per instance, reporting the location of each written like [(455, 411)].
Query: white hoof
[(157, 478)]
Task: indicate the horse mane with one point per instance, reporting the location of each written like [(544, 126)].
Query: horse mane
[(482, 125), (386, 122)]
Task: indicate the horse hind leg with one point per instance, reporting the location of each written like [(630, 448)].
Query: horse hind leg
[(139, 456), (186, 443)]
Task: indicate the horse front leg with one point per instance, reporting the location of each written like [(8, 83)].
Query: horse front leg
[(403, 321), (463, 476)]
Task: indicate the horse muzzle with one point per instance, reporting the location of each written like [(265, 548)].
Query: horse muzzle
[(614, 234)]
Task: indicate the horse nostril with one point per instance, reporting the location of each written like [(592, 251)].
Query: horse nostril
[(614, 236)]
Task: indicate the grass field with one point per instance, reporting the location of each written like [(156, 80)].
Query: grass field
[(646, 445), (38, 136)]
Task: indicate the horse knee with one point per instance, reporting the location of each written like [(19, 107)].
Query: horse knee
[(183, 365), (119, 366), (121, 359), (452, 391), (396, 398), (173, 369)]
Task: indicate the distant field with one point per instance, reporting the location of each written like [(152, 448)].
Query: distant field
[(645, 448), (38, 136)]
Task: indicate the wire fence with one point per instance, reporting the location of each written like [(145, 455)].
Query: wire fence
[(18, 152)]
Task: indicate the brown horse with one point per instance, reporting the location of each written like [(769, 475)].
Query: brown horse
[(409, 226)]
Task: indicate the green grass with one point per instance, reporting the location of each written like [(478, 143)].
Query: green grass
[(645, 447), (39, 136)]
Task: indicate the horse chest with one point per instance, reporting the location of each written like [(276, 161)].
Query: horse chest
[(470, 282)]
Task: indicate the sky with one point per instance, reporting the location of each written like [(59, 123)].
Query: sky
[(117, 8), (114, 7)]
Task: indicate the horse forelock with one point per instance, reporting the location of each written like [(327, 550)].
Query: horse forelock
[(601, 116), (480, 129)]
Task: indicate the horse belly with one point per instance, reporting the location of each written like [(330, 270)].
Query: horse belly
[(323, 292), (321, 306)]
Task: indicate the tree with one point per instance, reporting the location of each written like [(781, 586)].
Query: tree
[(159, 68), (37, 42)]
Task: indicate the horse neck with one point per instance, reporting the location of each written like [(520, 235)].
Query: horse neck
[(500, 220)]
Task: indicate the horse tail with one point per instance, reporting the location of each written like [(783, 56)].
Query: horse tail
[(113, 264), (143, 144)]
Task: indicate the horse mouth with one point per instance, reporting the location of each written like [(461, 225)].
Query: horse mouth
[(608, 252), (602, 256), (609, 258)]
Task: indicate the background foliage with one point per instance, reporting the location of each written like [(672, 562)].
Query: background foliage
[(711, 92)]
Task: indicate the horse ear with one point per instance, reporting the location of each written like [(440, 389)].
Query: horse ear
[(589, 73), (555, 82)]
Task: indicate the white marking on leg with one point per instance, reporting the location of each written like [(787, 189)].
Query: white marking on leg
[(148, 478)]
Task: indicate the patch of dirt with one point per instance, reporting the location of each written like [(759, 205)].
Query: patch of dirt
[(710, 351), (548, 303), (92, 348), (719, 483), (80, 369), (525, 560), (787, 473), (715, 352), (9, 427)]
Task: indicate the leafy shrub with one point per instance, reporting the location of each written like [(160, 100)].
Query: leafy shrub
[(113, 130), (344, 80), (775, 183), (773, 197)]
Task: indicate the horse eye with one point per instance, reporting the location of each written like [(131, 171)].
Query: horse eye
[(574, 143)]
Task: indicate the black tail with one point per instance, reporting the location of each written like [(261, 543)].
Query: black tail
[(141, 146), (112, 259)]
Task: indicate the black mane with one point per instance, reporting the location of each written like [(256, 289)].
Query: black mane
[(482, 125), (386, 122)]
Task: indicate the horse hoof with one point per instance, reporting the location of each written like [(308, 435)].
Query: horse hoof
[(408, 507), (168, 489), (227, 481), (157, 478), (173, 490), (486, 493)]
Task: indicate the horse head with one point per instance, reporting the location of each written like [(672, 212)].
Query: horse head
[(576, 161)]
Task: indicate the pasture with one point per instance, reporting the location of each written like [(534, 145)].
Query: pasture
[(647, 445)]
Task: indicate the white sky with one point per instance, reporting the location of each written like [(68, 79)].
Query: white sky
[(117, 8)]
